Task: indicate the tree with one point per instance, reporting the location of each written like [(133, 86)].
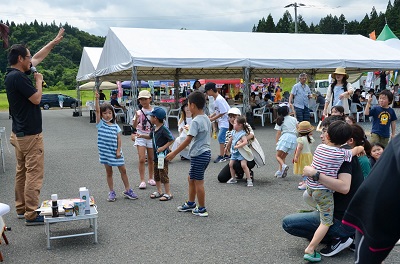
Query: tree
[(284, 24), (269, 24)]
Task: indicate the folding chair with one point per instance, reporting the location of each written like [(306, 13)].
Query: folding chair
[(259, 112), (174, 113)]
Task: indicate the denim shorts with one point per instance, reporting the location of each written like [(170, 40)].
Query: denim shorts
[(222, 134)]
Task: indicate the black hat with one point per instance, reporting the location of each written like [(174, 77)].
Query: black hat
[(210, 86)]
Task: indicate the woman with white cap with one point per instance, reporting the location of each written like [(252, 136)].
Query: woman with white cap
[(339, 93), (225, 174)]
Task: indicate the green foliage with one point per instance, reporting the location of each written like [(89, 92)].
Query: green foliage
[(336, 25), (60, 67)]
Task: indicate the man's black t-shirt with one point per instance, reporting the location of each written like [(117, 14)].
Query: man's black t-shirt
[(26, 116), (342, 200)]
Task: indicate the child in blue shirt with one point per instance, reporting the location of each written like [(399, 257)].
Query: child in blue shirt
[(384, 118)]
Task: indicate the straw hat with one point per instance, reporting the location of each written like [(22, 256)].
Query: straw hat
[(305, 127), (245, 151), (340, 70)]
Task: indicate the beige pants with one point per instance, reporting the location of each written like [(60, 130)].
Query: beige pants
[(29, 151)]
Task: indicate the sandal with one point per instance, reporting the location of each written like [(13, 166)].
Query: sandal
[(166, 197), (151, 182), (314, 257), (142, 185), (156, 195)]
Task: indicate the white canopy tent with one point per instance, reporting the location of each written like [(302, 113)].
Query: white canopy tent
[(164, 53), (103, 86), (138, 53), (88, 65)]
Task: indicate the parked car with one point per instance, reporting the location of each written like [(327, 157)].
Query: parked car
[(51, 100)]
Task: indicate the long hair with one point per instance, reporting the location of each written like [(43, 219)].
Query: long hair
[(183, 113), (282, 112), (105, 107), (360, 138), (309, 139), (242, 120)]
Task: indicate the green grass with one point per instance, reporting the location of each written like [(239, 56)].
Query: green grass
[(85, 96)]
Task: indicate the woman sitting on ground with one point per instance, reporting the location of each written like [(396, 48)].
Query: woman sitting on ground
[(224, 175)]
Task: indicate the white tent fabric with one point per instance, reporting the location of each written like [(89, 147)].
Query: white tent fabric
[(162, 53), (89, 60), (103, 86)]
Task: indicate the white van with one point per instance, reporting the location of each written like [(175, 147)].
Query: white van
[(320, 86)]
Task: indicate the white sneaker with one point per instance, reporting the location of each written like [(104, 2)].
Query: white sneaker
[(285, 169), (250, 183), (232, 180), (278, 174)]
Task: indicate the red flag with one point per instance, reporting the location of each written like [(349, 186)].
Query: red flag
[(372, 35)]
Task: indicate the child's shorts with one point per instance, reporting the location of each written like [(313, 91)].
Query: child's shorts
[(222, 134), (143, 142), (198, 165), (161, 174), (325, 204)]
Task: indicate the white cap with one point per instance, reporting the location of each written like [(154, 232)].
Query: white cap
[(235, 111)]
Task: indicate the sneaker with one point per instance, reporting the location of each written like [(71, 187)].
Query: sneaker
[(142, 185), (232, 180), (112, 196), (20, 216), (186, 208), (336, 246), (218, 159), (302, 187), (226, 158), (285, 169), (352, 247), (130, 194), (151, 182), (278, 174), (250, 183), (39, 220), (200, 212)]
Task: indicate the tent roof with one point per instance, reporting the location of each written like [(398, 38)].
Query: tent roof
[(89, 60), (386, 34), (162, 53)]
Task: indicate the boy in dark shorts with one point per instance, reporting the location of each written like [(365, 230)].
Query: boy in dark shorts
[(198, 137), (162, 138)]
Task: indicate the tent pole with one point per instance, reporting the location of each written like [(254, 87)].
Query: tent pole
[(78, 95), (246, 90), (177, 87), (134, 82)]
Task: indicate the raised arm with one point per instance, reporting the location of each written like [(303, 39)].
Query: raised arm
[(41, 54)]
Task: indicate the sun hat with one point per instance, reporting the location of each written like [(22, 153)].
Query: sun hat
[(234, 111), (245, 151), (305, 127), (144, 94), (340, 70), (158, 112)]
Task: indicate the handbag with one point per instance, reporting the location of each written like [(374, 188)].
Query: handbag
[(258, 153)]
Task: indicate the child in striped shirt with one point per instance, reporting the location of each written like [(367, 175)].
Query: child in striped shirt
[(327, 159)]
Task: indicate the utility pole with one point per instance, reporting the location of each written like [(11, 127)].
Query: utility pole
[(295, 5)]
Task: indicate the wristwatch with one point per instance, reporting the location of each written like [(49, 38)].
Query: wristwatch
[(315, 177)]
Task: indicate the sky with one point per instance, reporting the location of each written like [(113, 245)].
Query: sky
[(97, 16)]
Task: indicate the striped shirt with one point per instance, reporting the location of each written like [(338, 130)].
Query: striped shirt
[(107, 143), (327, 160)]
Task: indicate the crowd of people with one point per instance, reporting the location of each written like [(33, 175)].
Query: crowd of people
[(342, 174)]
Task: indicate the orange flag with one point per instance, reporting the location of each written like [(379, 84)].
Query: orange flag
[(372, 35)]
